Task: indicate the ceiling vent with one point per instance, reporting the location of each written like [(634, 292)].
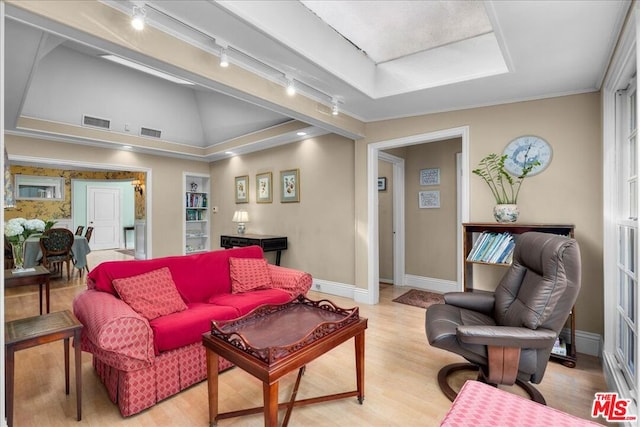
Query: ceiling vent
[(96, 122), (153, 133)]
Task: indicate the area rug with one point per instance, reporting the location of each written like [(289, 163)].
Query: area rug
[(130, 252), (418, 298)]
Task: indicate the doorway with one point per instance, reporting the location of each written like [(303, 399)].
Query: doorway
[(391, 234), (146, 208), (373, 153)]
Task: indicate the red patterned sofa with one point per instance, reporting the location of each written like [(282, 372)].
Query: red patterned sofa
[(144, 319)]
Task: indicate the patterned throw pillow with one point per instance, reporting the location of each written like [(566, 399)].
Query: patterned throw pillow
[(248, 274), (151, 294)]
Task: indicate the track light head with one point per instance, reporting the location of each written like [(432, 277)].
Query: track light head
[(224, 58), (334, 107), (138, 17), (291, 87)]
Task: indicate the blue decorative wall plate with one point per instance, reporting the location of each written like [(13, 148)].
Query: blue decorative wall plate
[(526, 149)]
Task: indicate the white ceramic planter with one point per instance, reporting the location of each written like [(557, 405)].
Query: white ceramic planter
[(506, 213)]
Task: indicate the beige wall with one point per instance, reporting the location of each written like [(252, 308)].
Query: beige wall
[(167, 194), (430, 234), (568, 191), (320, 228)]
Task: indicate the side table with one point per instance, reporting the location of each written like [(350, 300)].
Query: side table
[(33, 331), (37, 275)]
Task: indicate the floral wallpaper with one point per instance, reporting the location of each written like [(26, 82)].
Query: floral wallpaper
[(51, 209)]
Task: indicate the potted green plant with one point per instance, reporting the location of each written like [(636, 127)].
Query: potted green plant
[(504, 186)]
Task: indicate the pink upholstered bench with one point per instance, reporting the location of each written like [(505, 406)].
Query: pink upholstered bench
[(481, 405)]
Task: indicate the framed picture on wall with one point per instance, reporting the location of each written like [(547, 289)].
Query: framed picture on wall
[(264, 191), (429, 199), (242, 189), (290, 186), (430, 176), (382, 183)]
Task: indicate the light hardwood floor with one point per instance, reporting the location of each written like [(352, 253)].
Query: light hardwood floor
[(400, 386)]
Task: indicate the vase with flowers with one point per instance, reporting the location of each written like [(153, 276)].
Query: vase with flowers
[(504, 186), (17, 231)]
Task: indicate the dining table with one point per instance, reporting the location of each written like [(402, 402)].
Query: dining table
[(33, 253)]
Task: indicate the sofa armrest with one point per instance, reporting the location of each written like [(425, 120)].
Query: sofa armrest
[(295, 282), (114, 328)]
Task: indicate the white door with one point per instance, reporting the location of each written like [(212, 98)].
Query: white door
[(103, 214)]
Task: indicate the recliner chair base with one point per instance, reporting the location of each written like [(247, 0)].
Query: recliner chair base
[(444, 373)]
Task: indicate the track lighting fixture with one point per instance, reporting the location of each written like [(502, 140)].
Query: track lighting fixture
[(334, 107), (224, 58), (138, 17), (291, 87)]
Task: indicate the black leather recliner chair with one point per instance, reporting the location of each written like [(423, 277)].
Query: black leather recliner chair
[(508, 334)]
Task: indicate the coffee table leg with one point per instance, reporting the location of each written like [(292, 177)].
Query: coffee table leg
[(212, 383), (47, 287), (66, 365), (270, 392), (78, 360), (8, 384), (359, 343), (40, 295)]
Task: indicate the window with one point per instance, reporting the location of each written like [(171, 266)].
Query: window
[(31, 187), (626, 300)]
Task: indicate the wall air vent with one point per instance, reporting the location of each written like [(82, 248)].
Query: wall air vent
[(96, 122), (153, 133)]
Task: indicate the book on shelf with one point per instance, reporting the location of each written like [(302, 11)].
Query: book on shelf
[(559, 347), (490, 247)]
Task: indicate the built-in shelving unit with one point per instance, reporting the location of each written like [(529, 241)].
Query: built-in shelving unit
[(471, 233), (196, 213)]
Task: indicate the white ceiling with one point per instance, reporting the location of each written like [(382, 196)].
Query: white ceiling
[(379, 59)]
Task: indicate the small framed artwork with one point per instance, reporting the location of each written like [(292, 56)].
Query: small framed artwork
[(290, 186), (430, 176), (264, 192), (242, 189), (429, 199), (382, 183)]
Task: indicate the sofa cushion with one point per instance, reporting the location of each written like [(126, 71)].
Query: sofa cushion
[(246, 302), (248, 274), (151, 294), (186, 327), (212, 268)]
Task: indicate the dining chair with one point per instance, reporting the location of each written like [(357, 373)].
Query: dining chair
[(79, 230), (55, 245), (88, 233)]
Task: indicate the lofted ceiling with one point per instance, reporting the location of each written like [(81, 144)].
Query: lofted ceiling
[(375, 59)]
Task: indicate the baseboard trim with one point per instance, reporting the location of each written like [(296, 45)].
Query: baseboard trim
[(430, 284), (333, 288)]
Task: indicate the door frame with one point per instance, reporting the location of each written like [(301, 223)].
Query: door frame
[(81, 165), (373, 153)]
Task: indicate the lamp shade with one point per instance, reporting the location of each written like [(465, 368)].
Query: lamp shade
[(240, 216)]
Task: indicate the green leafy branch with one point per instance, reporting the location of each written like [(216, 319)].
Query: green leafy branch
[(504, 186)]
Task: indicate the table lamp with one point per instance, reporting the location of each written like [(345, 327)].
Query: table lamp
[(241, 217)]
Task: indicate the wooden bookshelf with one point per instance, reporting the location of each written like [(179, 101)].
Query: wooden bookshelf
[(470, 231)]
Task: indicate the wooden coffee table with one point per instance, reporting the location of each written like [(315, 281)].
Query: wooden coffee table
[(37, 275), (33, 331), (274, 340)]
